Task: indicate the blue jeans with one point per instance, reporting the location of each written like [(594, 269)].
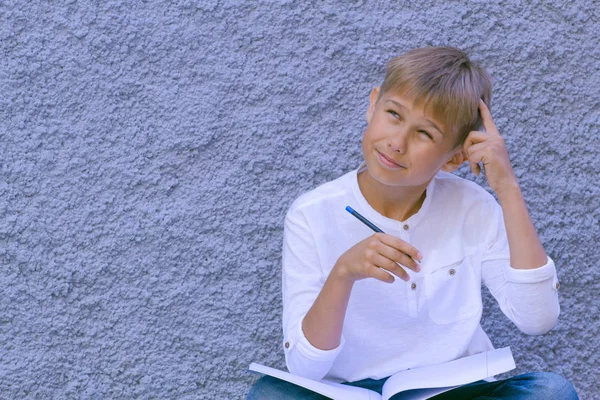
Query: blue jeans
[(532, 386)]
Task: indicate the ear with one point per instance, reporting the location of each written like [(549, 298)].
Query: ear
[(455, 161), (372, 102)]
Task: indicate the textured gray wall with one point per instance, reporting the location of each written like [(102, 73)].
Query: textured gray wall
[(149, 151)]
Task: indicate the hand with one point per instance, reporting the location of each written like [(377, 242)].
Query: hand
[(379, 252), (489, 149)]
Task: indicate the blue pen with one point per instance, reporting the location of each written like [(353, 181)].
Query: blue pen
[(363, 219), (370, 225)]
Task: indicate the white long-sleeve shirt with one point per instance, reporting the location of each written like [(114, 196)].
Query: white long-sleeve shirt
[(433, 318)]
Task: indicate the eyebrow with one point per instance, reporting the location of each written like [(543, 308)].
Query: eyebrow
[(400, 105)]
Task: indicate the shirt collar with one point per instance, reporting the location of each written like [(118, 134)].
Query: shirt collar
[(382, 221)]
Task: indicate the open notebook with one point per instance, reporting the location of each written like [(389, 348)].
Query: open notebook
[(414, 384)]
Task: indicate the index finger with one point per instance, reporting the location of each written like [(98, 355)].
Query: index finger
[(486, 116), (402, 246)]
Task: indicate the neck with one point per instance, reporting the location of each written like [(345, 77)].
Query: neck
[(395, 202)]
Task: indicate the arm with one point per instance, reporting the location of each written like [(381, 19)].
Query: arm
[(303, 278), (323, 323), (526, 250), (526, 286), (528, 297), (488, 148), (314, 305)]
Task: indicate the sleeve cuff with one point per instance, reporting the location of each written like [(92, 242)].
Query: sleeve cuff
[(296, 339), (534, 275)]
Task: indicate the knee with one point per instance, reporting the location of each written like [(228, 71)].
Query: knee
[(551, 386)]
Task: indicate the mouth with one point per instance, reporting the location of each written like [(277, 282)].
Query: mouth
[(388, 162)]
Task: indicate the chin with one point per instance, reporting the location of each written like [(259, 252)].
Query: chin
[(385, 177)]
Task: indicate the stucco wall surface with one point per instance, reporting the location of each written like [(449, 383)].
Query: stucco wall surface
[(149, 151)]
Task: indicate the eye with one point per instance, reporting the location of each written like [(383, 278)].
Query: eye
[(426, 134), (394, 114)]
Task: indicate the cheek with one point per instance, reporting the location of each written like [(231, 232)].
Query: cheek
[(365, 144), (367, 137), (374, 132)]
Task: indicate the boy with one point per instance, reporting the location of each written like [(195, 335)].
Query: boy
[(346, 315)]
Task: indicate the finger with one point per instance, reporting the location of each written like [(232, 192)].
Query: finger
[(467, 152), (486, 116), (475, 151), (475, 137), (401, 246), (398, 256), (388, 265), (475, 168), (474, 144), (381, 274), (481, 157)]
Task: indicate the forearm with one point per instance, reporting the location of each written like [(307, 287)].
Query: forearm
[(322, 325), (526, 250)]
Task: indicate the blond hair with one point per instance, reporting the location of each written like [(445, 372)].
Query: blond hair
[(446, 82)]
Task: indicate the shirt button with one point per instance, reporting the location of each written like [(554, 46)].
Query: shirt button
[(557, 285), (413, 286), (452, 271), (406, 227), (287, 345)]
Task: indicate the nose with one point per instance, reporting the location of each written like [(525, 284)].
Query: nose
[(398, 141)]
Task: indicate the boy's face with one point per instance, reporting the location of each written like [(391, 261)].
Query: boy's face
[(405, 146)]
